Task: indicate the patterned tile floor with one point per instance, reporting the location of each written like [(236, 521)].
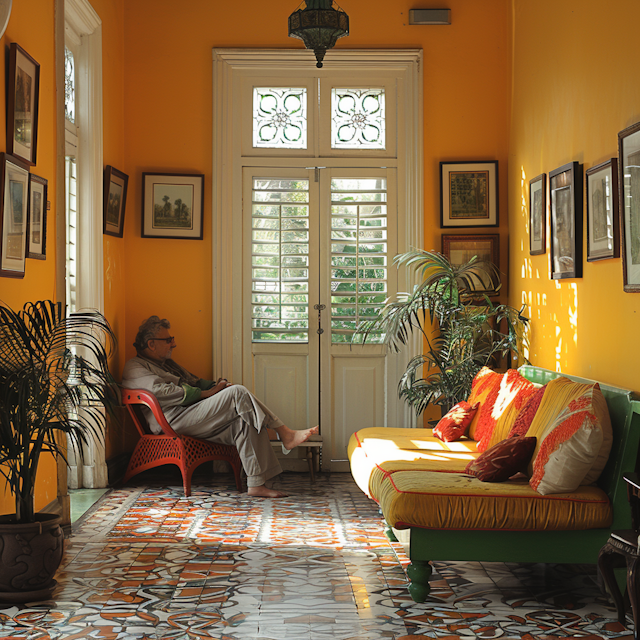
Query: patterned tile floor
[(147, 563)]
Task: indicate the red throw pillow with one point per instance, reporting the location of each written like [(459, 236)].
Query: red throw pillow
[(526, 416), (503, 460), (455, 422)]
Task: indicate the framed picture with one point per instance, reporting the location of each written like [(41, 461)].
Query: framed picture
[(460, 249), (469, 194), (565, 188), (538, 215), (602, 211), (172, 205), (14, 193), (115, 201), (37, 218), (629, 197), (22, 104)]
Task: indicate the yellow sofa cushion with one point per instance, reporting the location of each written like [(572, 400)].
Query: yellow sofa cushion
[(432, 500), (377, 451)]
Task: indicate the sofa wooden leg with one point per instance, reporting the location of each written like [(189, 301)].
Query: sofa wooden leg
[(419, 573), (388, 531)]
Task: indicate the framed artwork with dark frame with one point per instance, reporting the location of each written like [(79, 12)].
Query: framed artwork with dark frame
[(603, 240), (115, 201), (469, 194), (460, 249), (172, 205), (37, 218), (629, 198), (565, 189), (538, 215), (22, 104), (14, 194)]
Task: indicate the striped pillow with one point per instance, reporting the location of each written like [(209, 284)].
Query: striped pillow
[(574, 435)]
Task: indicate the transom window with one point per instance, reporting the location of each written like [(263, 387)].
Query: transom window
[(280, 118), (357, 119)]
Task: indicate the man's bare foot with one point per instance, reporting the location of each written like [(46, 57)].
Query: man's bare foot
[(292, 438), (265, 492)]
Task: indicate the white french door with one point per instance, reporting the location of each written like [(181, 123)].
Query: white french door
[(317, 243)]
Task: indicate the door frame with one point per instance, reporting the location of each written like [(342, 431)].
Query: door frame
[(229, 66)]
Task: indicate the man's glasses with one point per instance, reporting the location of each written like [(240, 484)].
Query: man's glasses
[(168, 340)]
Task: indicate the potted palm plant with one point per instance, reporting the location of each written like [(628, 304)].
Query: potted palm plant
[(54, 384), (462, 328)]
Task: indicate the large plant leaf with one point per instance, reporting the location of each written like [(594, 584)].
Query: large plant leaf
[(54, 379)]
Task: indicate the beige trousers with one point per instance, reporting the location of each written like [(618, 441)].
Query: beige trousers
[(233, 416)]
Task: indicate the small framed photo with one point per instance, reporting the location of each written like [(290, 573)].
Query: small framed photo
[(37, 218), (629, 197), (602, 211), (115, 200), (14, 193), (565, 188), (22, 104), (538, 215), (469, 194), (460, 249), (172, 205)]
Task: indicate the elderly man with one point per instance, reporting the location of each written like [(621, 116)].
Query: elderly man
[(217, 411)]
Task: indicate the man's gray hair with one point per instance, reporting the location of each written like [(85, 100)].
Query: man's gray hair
[(149, 330)]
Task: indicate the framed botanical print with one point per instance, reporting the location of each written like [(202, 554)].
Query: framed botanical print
[(115, 200), (565, 189), (37, 218), (22, 104), (602, 211), (538, 215), (469, 194), (172, 205), (629, 195), (14, 192), (460, 249)]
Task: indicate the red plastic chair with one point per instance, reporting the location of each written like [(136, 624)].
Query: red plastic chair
[(169, 447)]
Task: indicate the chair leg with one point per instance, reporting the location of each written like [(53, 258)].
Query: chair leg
[(632, 567), (606, 569)]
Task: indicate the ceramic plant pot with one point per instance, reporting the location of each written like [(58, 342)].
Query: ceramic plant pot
[(30, 554)]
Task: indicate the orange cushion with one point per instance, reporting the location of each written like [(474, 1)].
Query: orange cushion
[(501, 398), (455, 422)]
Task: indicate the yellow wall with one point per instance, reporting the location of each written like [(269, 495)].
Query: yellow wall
[(575, 86), (32, 26), (168, 107)]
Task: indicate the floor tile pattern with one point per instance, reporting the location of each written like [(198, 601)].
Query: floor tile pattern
[(147, 563)]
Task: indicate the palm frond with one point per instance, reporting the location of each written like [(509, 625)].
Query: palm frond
[(54, 379)]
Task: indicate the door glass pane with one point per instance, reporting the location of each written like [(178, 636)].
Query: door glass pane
[(71, 229), (69, 86), (280, 118), (358, 254), (280, 260), (357, 119)]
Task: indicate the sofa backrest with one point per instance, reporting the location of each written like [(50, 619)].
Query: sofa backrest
[(624, 409)]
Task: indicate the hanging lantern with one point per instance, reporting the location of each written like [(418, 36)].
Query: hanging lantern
[(319, 25)]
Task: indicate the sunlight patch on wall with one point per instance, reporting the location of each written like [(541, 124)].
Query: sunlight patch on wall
[(558, 346), (573, 313)]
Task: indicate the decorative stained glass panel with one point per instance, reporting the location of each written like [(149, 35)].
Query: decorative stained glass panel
[(280, 260), (69, 86), (280, 118), (357, 119)]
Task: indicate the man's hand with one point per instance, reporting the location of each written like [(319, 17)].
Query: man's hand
[(222, 383)]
